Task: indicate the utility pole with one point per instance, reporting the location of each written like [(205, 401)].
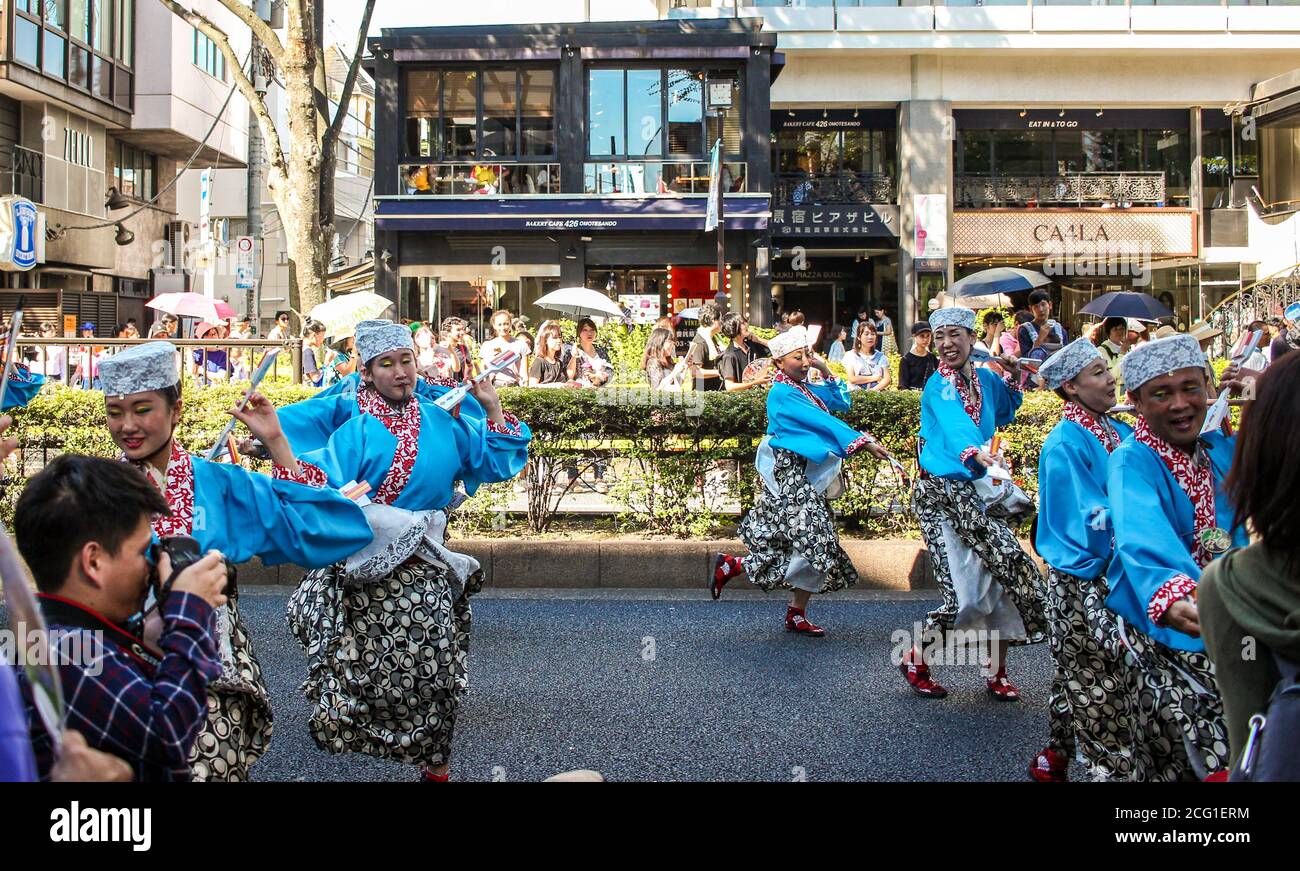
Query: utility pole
[(256, 159)]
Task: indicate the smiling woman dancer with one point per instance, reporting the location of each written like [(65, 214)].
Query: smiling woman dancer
[(989, 584), (387, 631), (1089, 709), (791, 533), (242, 514)]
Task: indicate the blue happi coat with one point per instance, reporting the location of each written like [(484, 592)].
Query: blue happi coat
[(796, 423), (1155, 530), (947, 430), (309, 424), (246, 514), (448, 448), (1075, 534)]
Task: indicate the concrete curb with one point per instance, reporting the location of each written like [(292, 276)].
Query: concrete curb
[(882, 564)]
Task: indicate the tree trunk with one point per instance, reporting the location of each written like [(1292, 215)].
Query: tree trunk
[(298, 196)]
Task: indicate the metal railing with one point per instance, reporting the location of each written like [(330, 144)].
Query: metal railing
[(659, 177), (1257, 302), (75, 362), (1073, 189), (22, 173), (487, 179), (798, 188)]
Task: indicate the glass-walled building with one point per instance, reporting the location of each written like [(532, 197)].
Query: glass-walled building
[(834, 210), (515, 160)]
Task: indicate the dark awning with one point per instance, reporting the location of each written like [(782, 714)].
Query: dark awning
[(549, 214)]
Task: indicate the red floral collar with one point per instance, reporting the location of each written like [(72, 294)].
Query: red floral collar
[(1194, 477), (1101, 429), (177, 487), (972, 393), (404, 424), (781, 378)]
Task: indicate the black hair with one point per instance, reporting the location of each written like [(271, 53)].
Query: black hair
[(1060, 391), (1111, 323), (75, 500), (283, 313), (991, 317), (1038, 296), (587, 322), (731, 323), (709, 313), (1264, 476)]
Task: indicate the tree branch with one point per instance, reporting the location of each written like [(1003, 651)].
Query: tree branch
[(350, 82), (274, 149), (260, 28)]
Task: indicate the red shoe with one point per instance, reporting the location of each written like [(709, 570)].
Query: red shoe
[(1002, 689), (725, 568), (917, 675), (1049, 767), (796, 622), (427, 776)]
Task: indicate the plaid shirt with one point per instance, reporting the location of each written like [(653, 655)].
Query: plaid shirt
[(141, 707)]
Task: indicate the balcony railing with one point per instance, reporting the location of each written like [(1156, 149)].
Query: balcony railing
[(22, 173), (798, 188), (1071, 189), (659, 177), (487, 179)]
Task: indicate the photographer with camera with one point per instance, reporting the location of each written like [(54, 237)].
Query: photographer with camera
[(83, 526), (225, 507)]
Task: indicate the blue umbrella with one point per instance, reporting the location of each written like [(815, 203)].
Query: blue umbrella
[(1127, 304), (1001, 279)]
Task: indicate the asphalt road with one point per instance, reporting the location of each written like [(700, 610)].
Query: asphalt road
[(665, 685)]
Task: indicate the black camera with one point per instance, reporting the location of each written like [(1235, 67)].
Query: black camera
[(184, 552)]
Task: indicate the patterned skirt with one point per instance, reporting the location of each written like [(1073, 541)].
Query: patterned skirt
[(791, 534), (238, 728), (1090, 706), (1179, 730), (943, 505), (387, 661)]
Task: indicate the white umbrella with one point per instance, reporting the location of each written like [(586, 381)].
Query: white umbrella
[(690, 314), (992, 300), (577, 302), (341, 314)]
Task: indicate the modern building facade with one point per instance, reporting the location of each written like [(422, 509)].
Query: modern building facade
[(104, 98), (515, 160), (1115, 145)]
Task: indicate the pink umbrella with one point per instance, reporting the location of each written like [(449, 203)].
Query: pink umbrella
[(192, 305)]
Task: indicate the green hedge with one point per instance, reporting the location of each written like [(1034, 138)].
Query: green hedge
[(668, 454)]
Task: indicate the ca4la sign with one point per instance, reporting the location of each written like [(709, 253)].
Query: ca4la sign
[(22, 234)]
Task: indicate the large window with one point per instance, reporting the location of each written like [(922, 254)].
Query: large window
[(831, 166), (656, 113), (135, 172), (208, 57), (480, 113), (86, 43), (1040, 153)]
